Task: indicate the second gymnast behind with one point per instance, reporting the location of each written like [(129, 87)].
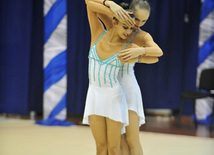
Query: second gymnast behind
[(147, 52), (106, 110)]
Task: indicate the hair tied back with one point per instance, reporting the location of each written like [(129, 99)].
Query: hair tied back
[(124, 5)]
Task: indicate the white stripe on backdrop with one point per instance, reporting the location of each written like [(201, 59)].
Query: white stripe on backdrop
[(206, 56)]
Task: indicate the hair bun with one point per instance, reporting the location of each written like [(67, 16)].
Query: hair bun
[(124, 5)]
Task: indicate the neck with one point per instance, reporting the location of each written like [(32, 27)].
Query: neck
[(137, 29), (113, 38)]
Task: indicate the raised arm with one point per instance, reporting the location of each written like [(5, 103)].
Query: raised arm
[(107, 20), (116, 10), (147, 49), (96, 26)]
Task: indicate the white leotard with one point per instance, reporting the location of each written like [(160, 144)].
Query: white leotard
[(131, 89), (105, 96)]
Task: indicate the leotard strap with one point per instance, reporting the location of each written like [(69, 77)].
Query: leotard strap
[(126, 45), (100, 36), (134, 36)]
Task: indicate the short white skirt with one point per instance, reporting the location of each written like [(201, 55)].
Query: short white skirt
[(107, 102), (133, 95)]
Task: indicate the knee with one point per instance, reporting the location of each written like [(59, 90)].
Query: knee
[(124, 148), (122, 145), (133, 143), (122, 141), (102, 148), (114, 149)]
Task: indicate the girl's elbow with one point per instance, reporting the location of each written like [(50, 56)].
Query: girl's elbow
[(157, 60), (160, 53), (152, 61)]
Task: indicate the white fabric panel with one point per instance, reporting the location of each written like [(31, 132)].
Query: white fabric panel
[(57, 43), (48, 5), (206, 28), (208, 63), (203, 107), (52, 96)]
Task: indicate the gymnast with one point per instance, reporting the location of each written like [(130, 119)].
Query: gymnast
[(148, 52)]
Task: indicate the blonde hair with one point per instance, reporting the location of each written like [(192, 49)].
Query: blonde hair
[(140, 4)]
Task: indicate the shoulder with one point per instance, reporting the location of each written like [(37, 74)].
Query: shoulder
[(144, 36), (97, 36), (132, 45)]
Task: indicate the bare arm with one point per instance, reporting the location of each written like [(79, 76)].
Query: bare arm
[(98, 1), (140, 59), (105, 16), (107, 20), (100, 8), (117, 11), (151, 48), (96, 26), (148, 48), (143, 59)]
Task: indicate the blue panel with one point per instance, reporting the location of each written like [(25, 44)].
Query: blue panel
[(53, 17), (55, 70)]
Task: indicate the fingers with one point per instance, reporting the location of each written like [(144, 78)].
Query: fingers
[(124, 60), (130, 20), (128, 59), (125, 57), (124, 51), (120, 16), (124, 16)]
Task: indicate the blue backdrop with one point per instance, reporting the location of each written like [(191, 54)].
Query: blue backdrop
[(21, 55), (15, 43)]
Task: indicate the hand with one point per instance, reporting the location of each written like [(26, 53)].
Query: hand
[(121, 14), (134, 60), (129, 54)]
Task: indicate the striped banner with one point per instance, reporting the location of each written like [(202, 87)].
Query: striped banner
[(205, 56), (55, 51)]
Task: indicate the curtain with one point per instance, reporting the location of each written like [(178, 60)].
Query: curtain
[(15, 34), (35, 93), (174, 26)]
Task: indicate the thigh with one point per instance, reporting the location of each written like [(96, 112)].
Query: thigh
[(98, 128), (113, 132), (132, 131)]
